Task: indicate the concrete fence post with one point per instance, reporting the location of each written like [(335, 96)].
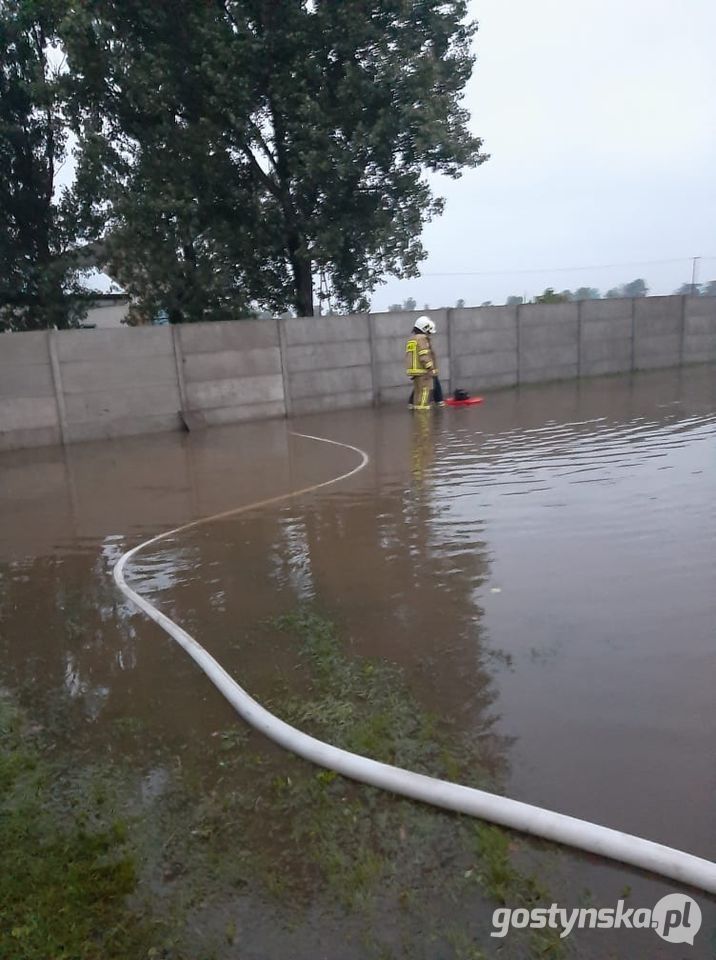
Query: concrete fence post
[(283, 350), (633, 334), (179, 366), (518, 323), (57, 384), (682, 330), (579, 338), (452, 348), (373, 360)]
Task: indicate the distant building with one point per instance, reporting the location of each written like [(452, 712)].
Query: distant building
[(106, 311)]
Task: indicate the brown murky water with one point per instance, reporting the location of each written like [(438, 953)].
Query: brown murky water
[(543, 568)]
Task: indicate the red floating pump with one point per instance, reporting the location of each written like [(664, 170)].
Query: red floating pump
[(466, 402)]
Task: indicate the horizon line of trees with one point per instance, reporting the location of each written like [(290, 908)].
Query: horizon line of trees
[(635, 288)]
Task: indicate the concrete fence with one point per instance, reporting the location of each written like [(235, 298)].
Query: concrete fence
[(72, 385)]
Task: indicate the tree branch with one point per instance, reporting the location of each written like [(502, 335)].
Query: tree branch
[(262, 143), (260, 173)]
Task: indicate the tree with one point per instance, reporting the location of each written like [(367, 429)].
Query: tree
[(237, 149), (486, 303), (709, 289), (586, 293), (515, 301), (549, 296), (460, 305), (409, 304), (637, 288), (38, 278)]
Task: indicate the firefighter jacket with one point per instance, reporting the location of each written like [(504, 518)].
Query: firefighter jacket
[(419, 356)]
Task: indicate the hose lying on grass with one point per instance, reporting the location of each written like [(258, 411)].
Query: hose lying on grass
[(603, 841)]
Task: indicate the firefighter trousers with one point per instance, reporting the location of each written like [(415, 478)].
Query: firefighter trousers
[(422, 389)]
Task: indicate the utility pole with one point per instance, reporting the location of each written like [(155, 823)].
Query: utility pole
[(693, 275)]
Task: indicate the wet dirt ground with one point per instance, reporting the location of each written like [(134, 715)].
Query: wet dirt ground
[(542, 571)]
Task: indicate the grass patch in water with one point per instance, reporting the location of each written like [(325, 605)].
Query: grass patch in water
[(374, 854), (364, 705), (258, 824), (65, 880), (503, 882)]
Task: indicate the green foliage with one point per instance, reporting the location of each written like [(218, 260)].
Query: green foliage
[(232, 150), (549, 296), (586, 293), (697, 290), (38, 274), (635, 288)]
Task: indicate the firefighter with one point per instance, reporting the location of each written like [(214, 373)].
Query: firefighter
[(420, 361)]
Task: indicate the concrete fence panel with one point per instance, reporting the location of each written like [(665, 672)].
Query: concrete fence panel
[(230, 371), (117, 382), (29, 415), (699, 345), (605, 336), (658, 332), (548, 341), (117, 344), (484, 341), (328, 363)]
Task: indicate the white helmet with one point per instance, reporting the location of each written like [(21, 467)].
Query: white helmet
[(432, 327), (424, 324)]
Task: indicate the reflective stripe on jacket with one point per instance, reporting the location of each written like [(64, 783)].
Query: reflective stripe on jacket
[(418, 355)]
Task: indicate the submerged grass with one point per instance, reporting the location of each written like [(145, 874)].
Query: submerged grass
[(365, 706), (401, 870), (65, 880), (255, 826)]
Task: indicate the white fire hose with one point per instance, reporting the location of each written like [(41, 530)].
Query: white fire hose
[(603, 841)]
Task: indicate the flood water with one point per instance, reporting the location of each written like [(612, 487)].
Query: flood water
[(542, 568)]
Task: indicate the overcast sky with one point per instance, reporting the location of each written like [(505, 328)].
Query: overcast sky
[(600, 119)]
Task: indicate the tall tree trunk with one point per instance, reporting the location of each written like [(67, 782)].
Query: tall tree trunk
[(52, 305), (189, 307), (302, 276)]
